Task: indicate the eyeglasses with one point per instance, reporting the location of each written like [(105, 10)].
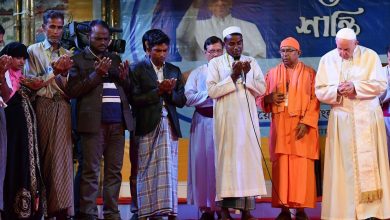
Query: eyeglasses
[(286, 50), (214, 51)]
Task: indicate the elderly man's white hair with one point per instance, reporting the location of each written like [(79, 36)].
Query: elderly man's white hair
[(346, 34)]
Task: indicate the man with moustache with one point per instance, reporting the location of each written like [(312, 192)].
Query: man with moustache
[(100, 83), (49, 62)]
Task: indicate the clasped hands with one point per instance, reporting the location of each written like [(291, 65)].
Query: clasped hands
[(240, 67), (346, 89)]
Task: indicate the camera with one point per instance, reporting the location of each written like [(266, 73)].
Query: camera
[(75, 35)]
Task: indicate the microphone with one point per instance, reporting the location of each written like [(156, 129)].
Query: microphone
[(243, 78)]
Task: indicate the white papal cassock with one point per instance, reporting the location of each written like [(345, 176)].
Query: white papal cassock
[(356, 162), (239, 170)]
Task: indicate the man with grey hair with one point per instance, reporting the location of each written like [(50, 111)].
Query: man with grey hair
[(356, 170)]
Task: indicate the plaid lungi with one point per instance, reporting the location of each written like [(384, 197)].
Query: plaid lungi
[(157, 172)]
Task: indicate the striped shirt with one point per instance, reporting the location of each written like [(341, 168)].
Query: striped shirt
[(111, 104)]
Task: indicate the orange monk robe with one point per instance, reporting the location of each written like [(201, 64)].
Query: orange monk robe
[(292, 159)]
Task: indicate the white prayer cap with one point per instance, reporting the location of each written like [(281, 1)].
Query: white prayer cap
[(231, 30), (346, 34)]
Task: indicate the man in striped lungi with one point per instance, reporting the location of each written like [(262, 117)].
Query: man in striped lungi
[(50, 62)]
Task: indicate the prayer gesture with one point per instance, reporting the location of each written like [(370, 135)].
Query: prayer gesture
[(346, 89), (62, 65), (102, 66), (123, 70), (237, 69), (5, 63), (166, 86), (300, 131), (240, 67), (32, 83)]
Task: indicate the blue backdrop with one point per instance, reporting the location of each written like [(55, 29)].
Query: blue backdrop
[(313, 22)]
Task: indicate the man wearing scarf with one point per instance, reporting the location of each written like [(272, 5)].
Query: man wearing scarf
[(294, 131), (356, 169)]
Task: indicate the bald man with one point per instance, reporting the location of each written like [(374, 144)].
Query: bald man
[(294, 131), (356, 169)]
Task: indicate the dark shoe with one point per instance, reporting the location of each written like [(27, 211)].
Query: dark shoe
[(83, 216), (301, 216), (207, 216), (246, 215), (284, 216), (173, 217), (225, 214)]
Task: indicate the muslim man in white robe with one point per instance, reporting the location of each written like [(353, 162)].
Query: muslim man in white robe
[(356, 171), (234, 81)]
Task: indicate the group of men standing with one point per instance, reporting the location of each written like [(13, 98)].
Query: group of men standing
[(112, 96), (356, 173)]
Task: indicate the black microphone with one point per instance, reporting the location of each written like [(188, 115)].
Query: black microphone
[(243, 79)]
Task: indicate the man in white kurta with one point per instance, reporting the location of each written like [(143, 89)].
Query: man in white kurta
[(356, 170), (191, 33), (239, 172)]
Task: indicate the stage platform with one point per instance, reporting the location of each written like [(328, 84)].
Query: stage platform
[(190, 212)]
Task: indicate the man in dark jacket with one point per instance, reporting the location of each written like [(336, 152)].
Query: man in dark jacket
[(157, 91), (100, 83)]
